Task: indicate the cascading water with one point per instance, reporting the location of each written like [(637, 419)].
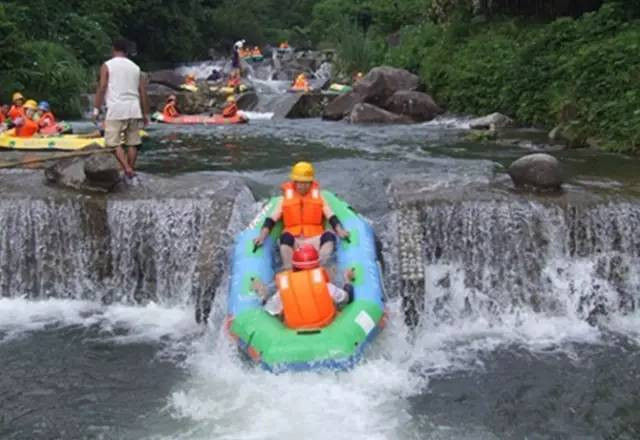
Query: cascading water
[(501, 258)]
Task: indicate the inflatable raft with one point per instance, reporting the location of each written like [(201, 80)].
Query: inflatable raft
[(62, 142), (339, 345), (200, 119)]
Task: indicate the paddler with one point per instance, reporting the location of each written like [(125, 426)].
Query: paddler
[(25, 125), (234, 81), (231, 108), (190, 80), (305, 296), (303, 212), (45, 116), (235, 57), (301, 83), (256, 52), (170, 109), (4, 113), (16, 110)]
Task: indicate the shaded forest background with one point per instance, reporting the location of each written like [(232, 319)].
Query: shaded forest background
[(543, 62)]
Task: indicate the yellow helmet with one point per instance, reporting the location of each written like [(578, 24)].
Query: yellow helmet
[(302, 172), (231, 98), (17, 96), (31, 104)]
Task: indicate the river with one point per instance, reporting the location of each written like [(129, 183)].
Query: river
[(507, 346)]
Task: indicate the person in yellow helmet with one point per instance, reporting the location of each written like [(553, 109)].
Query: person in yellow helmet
[(16, 110), (303, 211), (231, 108), (26, 126), (300, 83)]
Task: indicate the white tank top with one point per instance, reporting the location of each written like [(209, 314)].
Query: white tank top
[(123, 96)]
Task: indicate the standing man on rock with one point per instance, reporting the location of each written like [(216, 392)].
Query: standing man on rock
[(127, 107)]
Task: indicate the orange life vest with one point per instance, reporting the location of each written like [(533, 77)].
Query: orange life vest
[(27, 129), (302, 216), (230, 110), (170, 111), (301, 84), (306, 300), (46, 120), (16, 112)]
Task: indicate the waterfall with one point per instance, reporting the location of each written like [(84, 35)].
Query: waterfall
[(168, 247), (503, 256)]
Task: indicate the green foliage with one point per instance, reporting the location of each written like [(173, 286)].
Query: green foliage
[(533, 71), (357, 52), (48, 71)]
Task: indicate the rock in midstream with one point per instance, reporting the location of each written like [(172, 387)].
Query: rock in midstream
[(165, 240)]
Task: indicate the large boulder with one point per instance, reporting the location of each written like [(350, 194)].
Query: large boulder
[(102, 171), (341, 106), (167, 77), (537, 171), (67, 173), (494, 120), (98, 172), (570, 134), (382, 82), (368, 114), (247, 100), (310, 105), (417, 105)]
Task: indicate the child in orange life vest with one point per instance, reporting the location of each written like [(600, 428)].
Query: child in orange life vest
[(4, 113), (45, 118), (305, 296), (230, 109), (234, 80), (25, 125), (170, 110), (301, 83), (16, 110)]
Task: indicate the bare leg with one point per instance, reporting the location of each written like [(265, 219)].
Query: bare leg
[(132, 154), (121, 155), (286, 253), (325, 252)]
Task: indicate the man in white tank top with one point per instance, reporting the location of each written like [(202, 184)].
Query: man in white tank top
[(127, 107)]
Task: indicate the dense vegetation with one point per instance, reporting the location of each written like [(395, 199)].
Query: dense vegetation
[(51, 49), (540, 61)]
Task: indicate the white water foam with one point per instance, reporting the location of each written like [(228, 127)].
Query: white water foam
[(118, 323), (226, 398), (253, 116)]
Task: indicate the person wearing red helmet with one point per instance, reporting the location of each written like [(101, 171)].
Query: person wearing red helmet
[(304, 296)]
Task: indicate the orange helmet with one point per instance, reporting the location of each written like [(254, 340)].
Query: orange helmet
[(306, 257)]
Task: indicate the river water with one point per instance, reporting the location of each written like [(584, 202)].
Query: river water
[(507, 346)]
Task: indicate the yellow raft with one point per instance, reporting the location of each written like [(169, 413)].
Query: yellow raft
[(63, 142)]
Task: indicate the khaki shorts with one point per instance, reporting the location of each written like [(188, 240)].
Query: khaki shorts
[(119, 132)]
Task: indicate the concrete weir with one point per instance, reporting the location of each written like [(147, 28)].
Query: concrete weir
[(482, 249), (165, 240)]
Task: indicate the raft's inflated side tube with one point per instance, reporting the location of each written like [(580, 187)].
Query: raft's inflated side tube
[(266, 339), (200, 119), (62, 142)]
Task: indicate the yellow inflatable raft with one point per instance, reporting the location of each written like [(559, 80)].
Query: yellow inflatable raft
[(63, 142)]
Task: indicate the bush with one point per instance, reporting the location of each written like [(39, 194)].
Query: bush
[(51, 72), (534, 71)]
